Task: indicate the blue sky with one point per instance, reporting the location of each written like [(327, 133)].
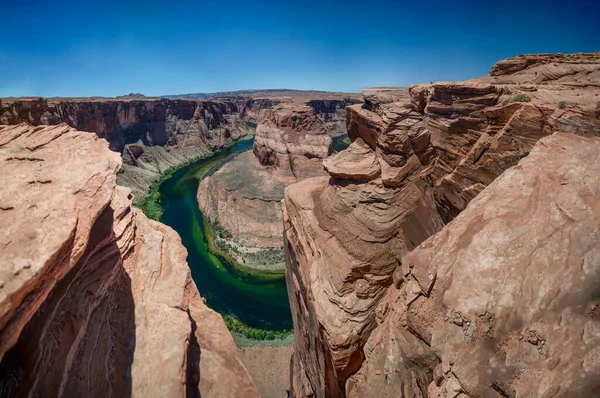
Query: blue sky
[(108, 48)]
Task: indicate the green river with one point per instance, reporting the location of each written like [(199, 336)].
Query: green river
[(257, 300)]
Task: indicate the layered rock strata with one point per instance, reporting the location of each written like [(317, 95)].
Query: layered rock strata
[(152, 135), (244, 196), (424, 154), (290, 131), (332, 113), (95, 299), (503, 301)]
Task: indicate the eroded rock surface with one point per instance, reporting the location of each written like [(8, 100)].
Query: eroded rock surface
[(503, 301), (95, 299), (437, 147), (287, 131), (243, 197)]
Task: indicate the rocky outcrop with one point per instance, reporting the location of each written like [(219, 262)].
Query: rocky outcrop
[(428, 152), (503, 301), (288, 131), (357, 163), (243, 197), (152, 135), (562, 65), (95, 299)]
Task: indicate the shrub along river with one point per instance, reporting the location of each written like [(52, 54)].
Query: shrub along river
[(258, 300)]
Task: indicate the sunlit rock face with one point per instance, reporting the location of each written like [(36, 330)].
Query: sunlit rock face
[(244, 196), (287, 131), (368, 317), (95, 299)]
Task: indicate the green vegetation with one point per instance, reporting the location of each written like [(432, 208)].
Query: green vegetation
[(521, 98), (150, 204), (562, 104), (236, 326), (503, 82), (213, 232), (506, 90), (506, 102), (542, 83)]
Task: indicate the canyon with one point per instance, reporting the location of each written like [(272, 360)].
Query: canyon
[(242, 200), (120, 293), (155, 134), (151, 134), (452, 250)]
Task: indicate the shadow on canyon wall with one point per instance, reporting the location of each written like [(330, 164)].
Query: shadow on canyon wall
[(81, 340)]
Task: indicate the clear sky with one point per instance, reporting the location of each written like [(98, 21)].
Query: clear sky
[(108, 48)]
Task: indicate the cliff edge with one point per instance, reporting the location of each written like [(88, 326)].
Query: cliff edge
[(95, 299), (415, 164)]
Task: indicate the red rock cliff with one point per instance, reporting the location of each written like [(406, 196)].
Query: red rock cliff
[(95, 299), (244, 196), (413, 166)]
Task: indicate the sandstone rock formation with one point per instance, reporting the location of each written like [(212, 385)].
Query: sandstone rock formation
[(332, 112), (503, 301), (95, 299), (243, 197), (427, 153), (154, 134), (290, 131)]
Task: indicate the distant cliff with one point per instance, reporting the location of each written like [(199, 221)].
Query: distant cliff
[(152, 135)]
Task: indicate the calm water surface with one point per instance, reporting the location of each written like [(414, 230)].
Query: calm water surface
[(257, 300)]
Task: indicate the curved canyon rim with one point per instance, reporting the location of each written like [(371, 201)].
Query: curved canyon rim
[(258, 300), (406, 239)]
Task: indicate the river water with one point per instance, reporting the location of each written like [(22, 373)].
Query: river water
[(259, 301)]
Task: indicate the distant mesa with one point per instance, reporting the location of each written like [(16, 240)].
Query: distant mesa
[(131, 96), (259, 93)]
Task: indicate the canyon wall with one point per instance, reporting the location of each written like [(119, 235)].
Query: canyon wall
[(152, 135), (244, 196), (363, 315), (504, 300), (332, 112), (95, 299), (289, 132)]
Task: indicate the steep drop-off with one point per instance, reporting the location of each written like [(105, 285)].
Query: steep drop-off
[(95, 299), (415, 164)]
